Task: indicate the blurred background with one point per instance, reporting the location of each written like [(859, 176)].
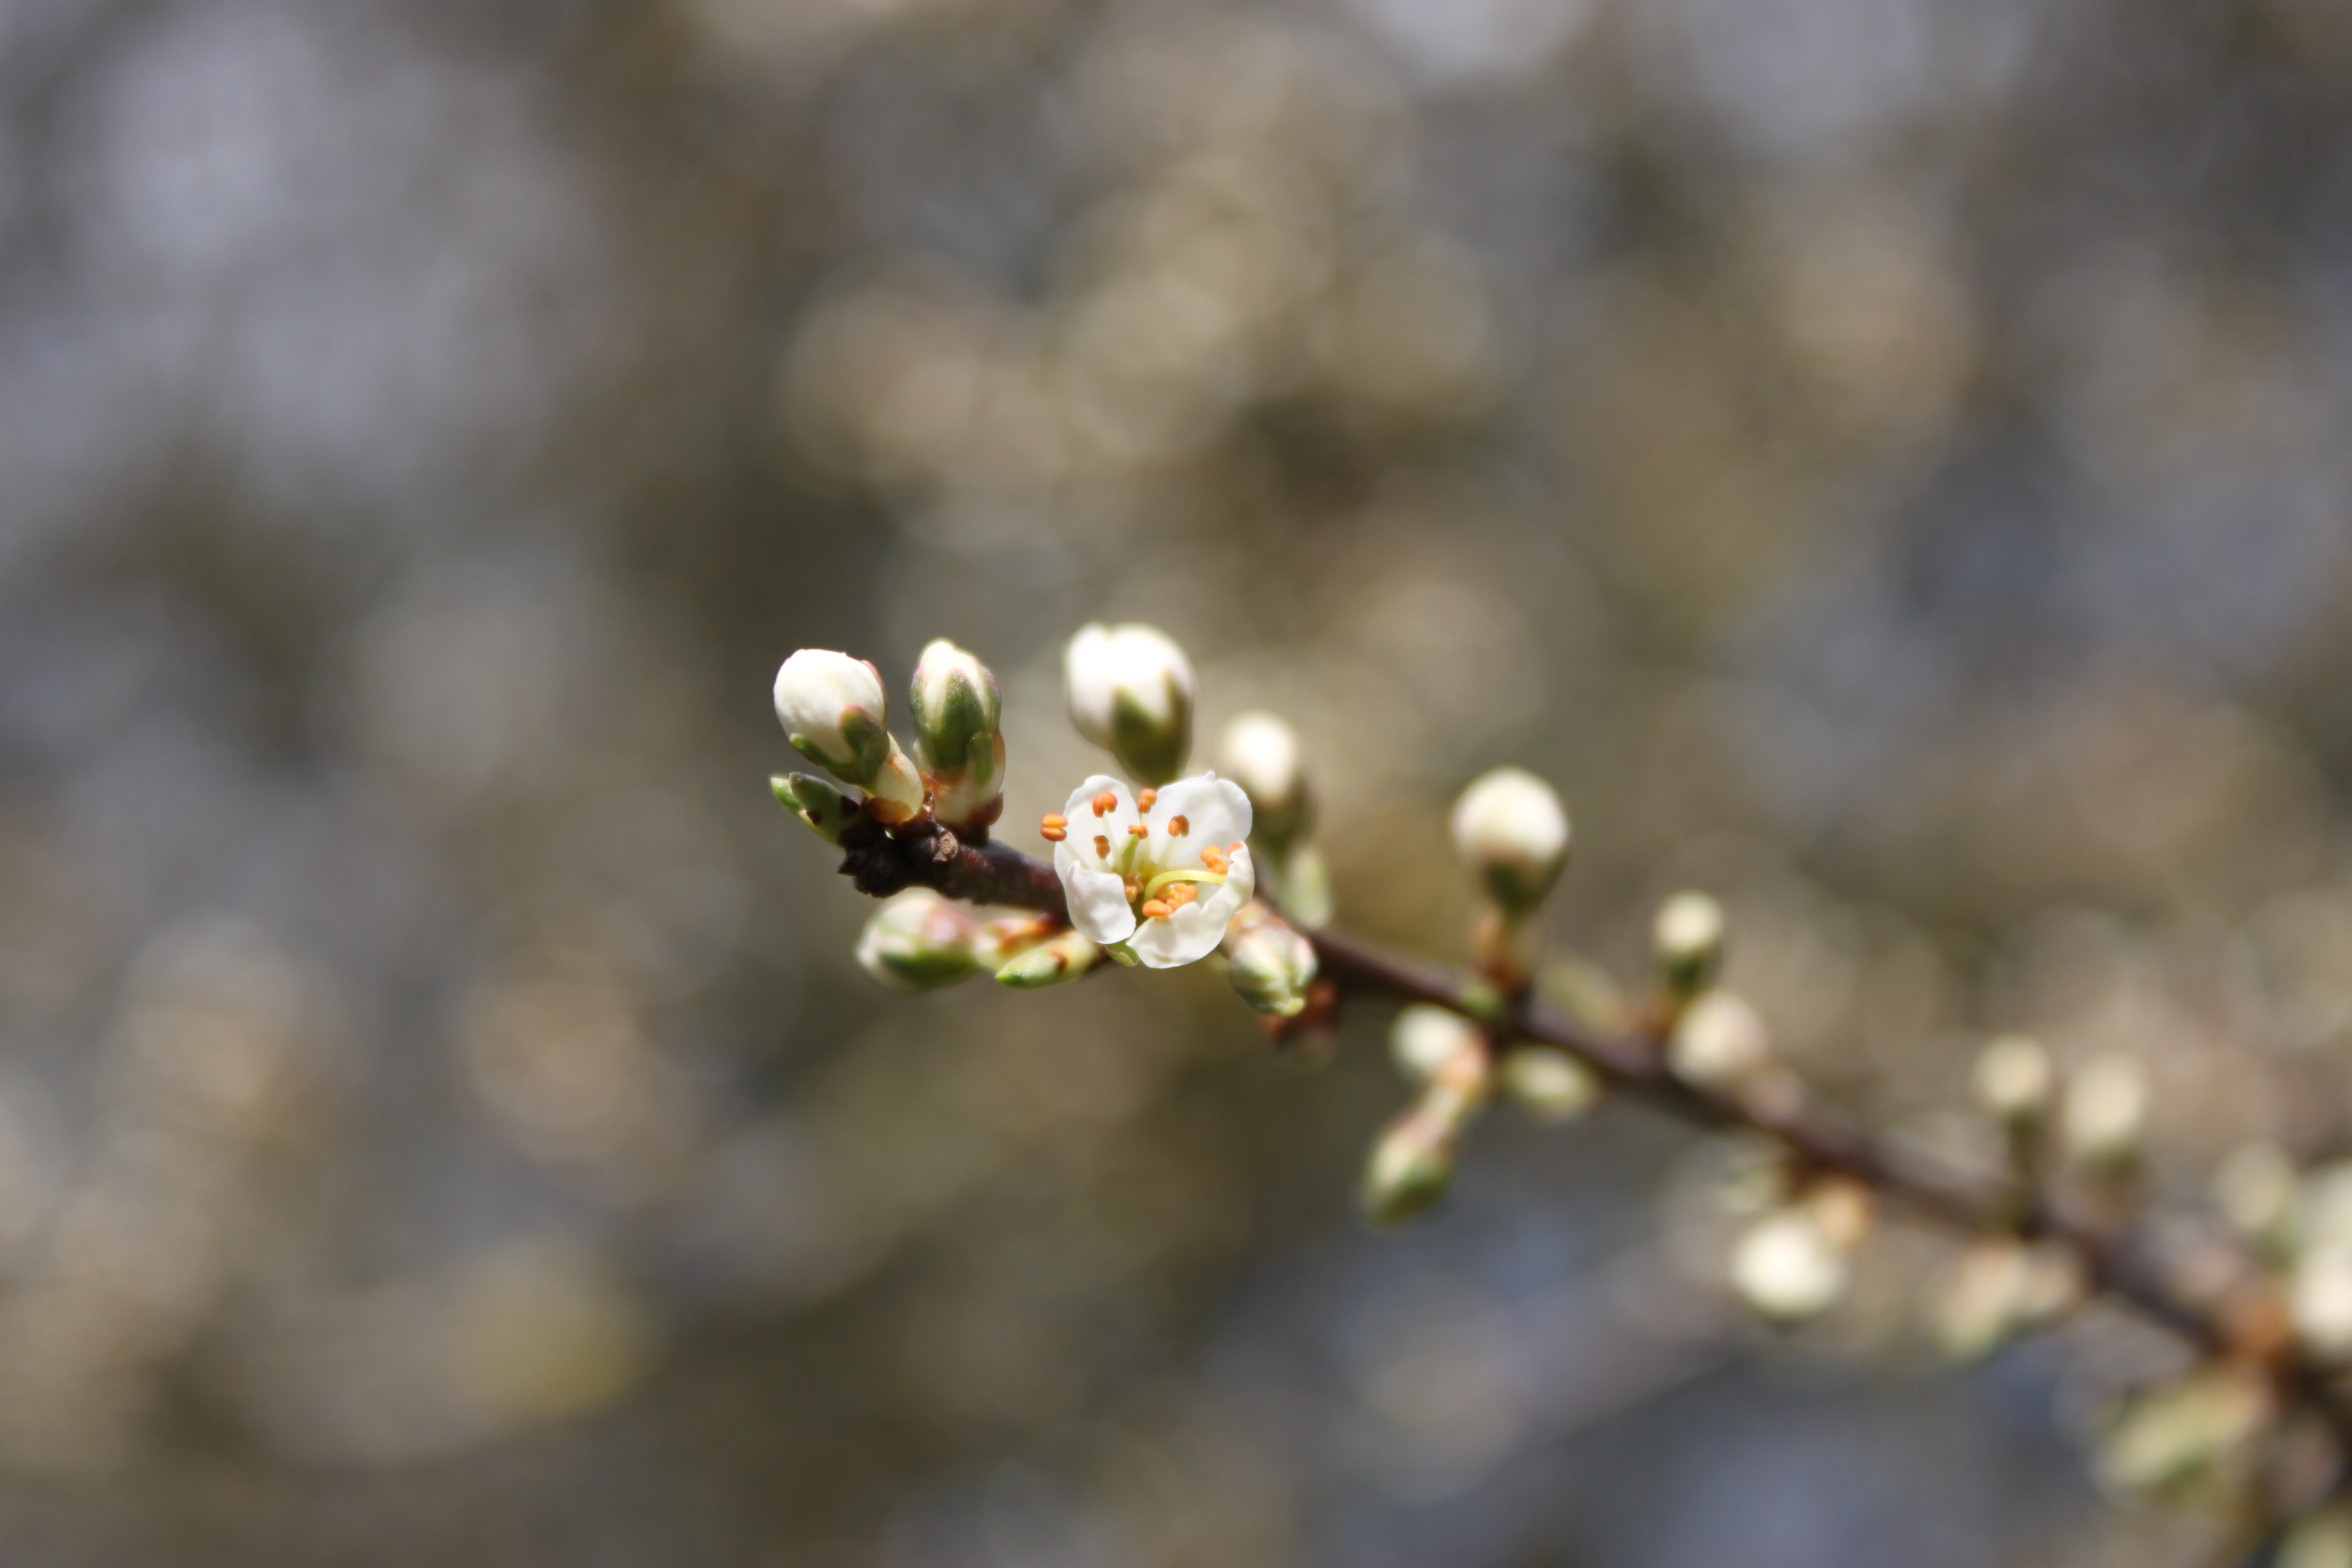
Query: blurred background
[(1884, 459)]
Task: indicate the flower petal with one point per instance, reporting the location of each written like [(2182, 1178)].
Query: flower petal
[(1215, 811), (1084, 824), (1097, 898), (1194, 931)]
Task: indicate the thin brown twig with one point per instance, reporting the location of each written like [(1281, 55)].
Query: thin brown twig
[(2115, 1265)]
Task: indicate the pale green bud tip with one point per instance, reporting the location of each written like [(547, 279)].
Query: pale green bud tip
[(1511, 829), (1131, 690), (834, 709), (1054, 962), (1271, 965), (1425, 1037), (1261, 754), (826, 809), (918, 941), (1788, 1268), (2183, 1432), (2255, 1189), (1688, 939), (2014, 1079), (1720, 1044), (1550, 1083), (2107, 1111), (1410, 1170)]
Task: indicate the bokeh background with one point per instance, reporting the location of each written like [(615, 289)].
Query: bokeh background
[(1884, 459)]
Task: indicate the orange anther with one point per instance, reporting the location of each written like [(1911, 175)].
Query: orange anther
[(1179, 826), (1054, 835), (1056, 827), (1102, 845), (1105, 803), (1054, 819), (1153, 909), (1182, 893), (1146, 800), (1213, 859), (1138, 830)]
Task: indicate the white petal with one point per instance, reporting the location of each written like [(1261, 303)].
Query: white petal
[(1194, 930), (1084, 824), (1215, 811), (1097, 899)]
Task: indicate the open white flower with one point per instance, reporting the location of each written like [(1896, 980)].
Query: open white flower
[(1164, 873)]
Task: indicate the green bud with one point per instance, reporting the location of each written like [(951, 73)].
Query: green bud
[(1063, 957), (919, 941), (826, 808), (1303, 882), (2180, 1435), (1410, 1171), (1130, 690), (1688, 940), (1550, 1083), (1261, 754), (1512, 831), (1412, 1165), (1271, 965), (2324, 1540), (956, 709)]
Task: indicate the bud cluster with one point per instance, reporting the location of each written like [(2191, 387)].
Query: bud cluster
[(836, 713)]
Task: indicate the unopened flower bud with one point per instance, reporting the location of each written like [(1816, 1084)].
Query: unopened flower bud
[(1788, 1268), (2196, 1429), (1261, 754), (1551, 1084), (1425, 1037), (2107, 1113), (2256, 1191), (919, 941), (834, 711), (2014, 1080), (1130, 693), (1413, 1164), (824, 806), (1688, 940), (2320, 1301), (2002, 1287), (1060, 958), (957, 709), (1720, 1044), (1271, 965), (1511, 829), (2323, 1540)]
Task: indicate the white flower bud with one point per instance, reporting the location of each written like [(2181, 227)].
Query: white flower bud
[(1271, 964), (2180, 1433), (957, 709), (1425, 1037), (2014, 1079), (827, 809), (1055, 961), (2256, 1191), (834, 711), (2320, 1301), (2107, 1112), (1787, 1268), (2002, 1287), (1130, 691), (1413, 1164), (1550, 1083), (1688, 940), (1261, 754), (919, 941), (1720, 1044), (1511, 829)]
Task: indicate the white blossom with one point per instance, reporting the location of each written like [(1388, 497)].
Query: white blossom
[(1165, 878)]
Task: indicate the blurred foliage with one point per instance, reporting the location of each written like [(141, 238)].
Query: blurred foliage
[(1882, 458)]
